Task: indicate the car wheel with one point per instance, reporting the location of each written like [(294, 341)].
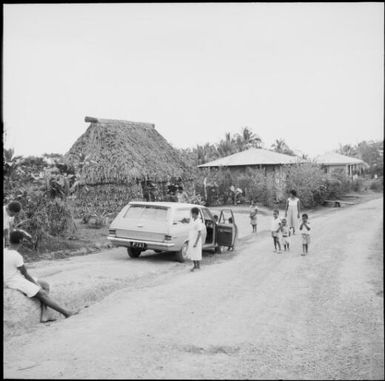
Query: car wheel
[(133, 252), (181, 255)]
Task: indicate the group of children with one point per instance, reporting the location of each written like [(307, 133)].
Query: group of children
[(281, 232), (282, 229)]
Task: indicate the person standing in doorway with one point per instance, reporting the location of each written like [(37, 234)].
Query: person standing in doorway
[(292, 210), (195, 239)]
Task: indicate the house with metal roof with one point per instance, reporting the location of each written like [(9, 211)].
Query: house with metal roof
[(334, 162), (255, 158)]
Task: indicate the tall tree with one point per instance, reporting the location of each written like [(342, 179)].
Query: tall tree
[(226, 146), (280, 146), (348, 150), (247, 139)]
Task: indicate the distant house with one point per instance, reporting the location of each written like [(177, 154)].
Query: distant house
[(121, 161), (335, 162), (256, 158)]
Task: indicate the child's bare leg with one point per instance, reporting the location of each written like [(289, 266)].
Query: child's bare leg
[(44, 317), (45, 299)]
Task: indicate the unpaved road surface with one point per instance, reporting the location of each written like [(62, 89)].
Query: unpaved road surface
[(257, 315)]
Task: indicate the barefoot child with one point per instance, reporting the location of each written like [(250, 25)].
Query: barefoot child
[(285, 230), (17, 277), (275, 231), (305, 230), (253, 217)]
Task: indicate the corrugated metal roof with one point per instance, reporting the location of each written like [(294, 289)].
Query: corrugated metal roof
[(253, 156), (334, 158)]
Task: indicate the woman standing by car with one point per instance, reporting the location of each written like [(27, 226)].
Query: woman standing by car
[(194, 251), (292, 210)]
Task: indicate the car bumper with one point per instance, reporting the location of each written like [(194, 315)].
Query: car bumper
[(152, 245)]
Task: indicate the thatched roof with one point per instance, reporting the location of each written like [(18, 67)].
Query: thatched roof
[(253, 156), (117, 151)]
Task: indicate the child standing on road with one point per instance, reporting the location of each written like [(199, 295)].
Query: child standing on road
[(285, 230), (276, 231), (253, 217), (305, 230), (17, 277)]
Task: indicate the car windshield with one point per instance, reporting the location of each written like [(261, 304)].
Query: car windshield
[(146, 212)]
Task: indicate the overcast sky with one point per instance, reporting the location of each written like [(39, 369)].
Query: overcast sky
[(312, 74)]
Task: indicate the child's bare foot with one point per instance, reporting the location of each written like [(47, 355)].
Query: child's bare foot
[(47, 319), (71, 313), (193, 269)]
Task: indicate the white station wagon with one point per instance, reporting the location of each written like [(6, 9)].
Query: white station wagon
[(164, 226)]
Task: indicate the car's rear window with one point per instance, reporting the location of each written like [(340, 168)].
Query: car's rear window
[(147, 212)]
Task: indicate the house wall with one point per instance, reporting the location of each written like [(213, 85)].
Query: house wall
[(349, 170), (276, 170)]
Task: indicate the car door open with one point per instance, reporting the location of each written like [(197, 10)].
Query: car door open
[(225, 229)]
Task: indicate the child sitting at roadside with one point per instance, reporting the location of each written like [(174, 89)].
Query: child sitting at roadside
[(16, 276), (305, 230), (276, 231), (285, 230)]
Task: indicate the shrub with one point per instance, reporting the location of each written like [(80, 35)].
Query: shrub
[(252, 182), (357, 185), (377, 185), (310, 183)]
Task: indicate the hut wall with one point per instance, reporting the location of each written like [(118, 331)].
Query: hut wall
[(105, 198)]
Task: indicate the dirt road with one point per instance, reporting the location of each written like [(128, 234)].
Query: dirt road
[(258, 315)]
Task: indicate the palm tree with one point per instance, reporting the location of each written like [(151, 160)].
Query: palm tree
[(250, 139), (347, 150), (205, 153), (280, 146), (226, 147)]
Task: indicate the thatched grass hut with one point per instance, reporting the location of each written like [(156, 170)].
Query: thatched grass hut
[(116, 159)]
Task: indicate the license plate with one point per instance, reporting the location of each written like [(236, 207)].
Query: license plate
[(139, 245)]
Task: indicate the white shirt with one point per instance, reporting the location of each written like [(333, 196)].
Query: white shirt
[(7, 220), (11, 261), (275, 224), (304, 230)]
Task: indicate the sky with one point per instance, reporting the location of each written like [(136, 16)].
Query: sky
[(310, 73)]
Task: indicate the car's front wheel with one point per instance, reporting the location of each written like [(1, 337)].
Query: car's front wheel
[(181, 255), (133, 252)]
